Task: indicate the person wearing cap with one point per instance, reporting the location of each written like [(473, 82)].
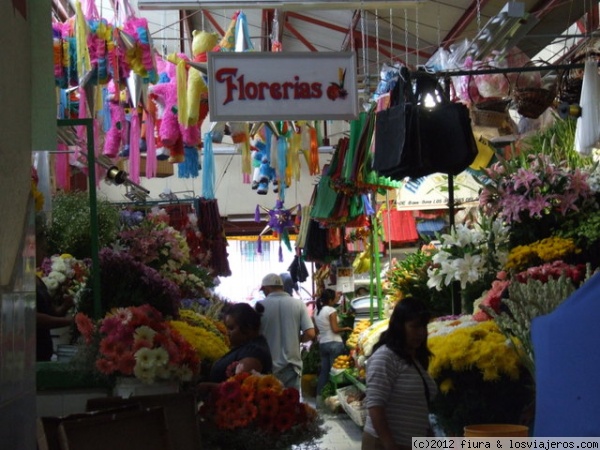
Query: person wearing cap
[(285, 324)]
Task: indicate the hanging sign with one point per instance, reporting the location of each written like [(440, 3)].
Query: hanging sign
[(345, 279), (265, 86), (431, 192)]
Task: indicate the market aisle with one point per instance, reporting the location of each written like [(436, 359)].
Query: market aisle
[(342, 434)]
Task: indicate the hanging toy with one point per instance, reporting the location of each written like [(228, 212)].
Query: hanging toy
[(263, 173), (279, 220), (197, 90), (117, 132), (171, 131)]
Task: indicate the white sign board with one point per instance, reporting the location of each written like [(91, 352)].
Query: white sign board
[(431, 192), (265, 86)]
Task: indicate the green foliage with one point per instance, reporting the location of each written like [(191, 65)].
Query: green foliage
[(475, 402), (408, 278), (311, 359), (584, 229), (558, 142), (69, 230), (526, 302)]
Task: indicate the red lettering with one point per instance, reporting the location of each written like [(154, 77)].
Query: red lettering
[(226, 75), (286, 88), (262, 86), (275, 91), (317, 91), (262, 89), (251, 91)]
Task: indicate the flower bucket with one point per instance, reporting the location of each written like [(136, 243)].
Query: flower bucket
[(126, 387), (308, 385), (496, 430)]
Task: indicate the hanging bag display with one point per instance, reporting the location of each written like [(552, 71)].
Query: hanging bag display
[(390, 127), (441, 138)]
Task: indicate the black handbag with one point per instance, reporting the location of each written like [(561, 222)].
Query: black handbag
[(390, 128), (438, 137), (441, 134)]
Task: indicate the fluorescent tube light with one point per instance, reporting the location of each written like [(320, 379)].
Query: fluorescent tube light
[(276, 4)]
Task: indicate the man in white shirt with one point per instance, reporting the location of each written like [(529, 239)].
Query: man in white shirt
[(285, 323)]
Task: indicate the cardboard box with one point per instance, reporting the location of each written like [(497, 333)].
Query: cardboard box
[(132, 430), (180, 413)]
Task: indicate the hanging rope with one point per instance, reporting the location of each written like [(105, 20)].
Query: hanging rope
[(406, 37), (364, 49), (377, 37), (391, 36)]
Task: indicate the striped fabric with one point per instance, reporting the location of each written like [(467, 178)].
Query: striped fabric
[(397, 386)]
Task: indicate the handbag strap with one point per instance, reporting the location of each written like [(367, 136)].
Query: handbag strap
[(424, 382)]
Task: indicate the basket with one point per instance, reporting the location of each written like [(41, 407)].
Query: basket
[(571, 80), (358, 414), (501, 121), (532, 102)]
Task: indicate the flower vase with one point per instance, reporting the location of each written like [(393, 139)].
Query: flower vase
[(126, 387)]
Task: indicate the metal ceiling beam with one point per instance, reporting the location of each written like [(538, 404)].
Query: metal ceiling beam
[(266, 29), (371, 40), (465, 20), (349, 38), (300, 37), (213, 22)]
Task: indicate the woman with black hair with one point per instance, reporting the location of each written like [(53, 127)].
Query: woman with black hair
[(398, 386), (331, 344), (249, 349)]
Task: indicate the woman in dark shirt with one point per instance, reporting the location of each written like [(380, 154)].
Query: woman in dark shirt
[(249, 349)]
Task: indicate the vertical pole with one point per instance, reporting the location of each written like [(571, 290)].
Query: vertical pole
[(95, 246)]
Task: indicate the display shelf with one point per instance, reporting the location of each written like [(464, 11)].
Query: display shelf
[(355, 381)]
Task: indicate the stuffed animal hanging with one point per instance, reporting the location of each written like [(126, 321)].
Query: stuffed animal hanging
[(197, 90), (173, 135)]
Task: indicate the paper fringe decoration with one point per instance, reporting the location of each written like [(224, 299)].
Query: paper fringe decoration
[(208, 167), (190, 167)]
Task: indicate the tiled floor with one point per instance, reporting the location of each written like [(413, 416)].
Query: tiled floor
[(342, 433)]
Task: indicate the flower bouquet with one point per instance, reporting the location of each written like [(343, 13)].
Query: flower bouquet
[(65, 275), (479, 374), (535, 196), (252, 411), (137, 342), (471, 256)]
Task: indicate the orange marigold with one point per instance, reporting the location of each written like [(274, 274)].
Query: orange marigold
[(270, 382)]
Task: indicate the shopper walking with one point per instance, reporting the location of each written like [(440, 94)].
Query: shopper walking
[(285, 324), (398, 386), (329, 332)]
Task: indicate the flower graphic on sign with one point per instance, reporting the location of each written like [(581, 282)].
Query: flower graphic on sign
[(336, 90)]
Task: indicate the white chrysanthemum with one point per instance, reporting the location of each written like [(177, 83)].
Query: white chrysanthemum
[(145, 374), (144, 358), (161, 357), (184, 373), (58, 276), (51, 284), (59, 265), (144, 333)]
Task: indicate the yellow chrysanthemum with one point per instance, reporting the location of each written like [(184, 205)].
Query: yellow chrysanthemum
[(481, 346), (208, 346), (446, 386)]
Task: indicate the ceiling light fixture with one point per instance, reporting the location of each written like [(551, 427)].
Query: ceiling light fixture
[(503, 31), (277, 4)]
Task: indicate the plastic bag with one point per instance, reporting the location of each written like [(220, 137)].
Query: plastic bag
[(586, 132)]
